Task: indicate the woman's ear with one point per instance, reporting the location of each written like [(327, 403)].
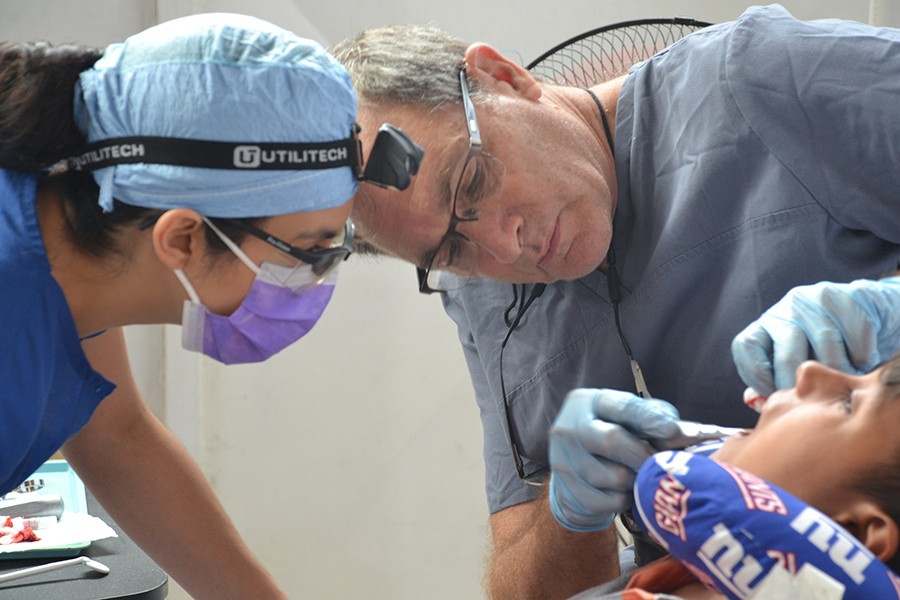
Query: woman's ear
[(498, 74), (868, 523), (178, 236)]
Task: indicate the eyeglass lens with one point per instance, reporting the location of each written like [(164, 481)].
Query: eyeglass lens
[(482, 177)]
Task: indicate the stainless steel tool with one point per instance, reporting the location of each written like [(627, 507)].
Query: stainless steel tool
[(91, 564), (690, 433), (33, 505)]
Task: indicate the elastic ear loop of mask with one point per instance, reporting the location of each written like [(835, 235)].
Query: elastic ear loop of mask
[(192, 293), (232, 246)]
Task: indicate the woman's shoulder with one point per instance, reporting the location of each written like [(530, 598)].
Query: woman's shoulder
[(20, 236)]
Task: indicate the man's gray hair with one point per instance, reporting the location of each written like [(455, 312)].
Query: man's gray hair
[(405, 64), (408, 65)]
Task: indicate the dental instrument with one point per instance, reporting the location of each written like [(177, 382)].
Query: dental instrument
[(88, 562)]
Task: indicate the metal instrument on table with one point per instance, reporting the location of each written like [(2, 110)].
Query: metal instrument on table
[(33, 505), (90, 563)]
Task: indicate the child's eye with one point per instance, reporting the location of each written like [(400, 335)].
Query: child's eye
[(846, 402)]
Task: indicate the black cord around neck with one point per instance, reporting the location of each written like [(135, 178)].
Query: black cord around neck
[(612, 275), (606, 128)]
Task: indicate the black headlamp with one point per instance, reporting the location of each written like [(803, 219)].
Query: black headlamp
[(393, 160)]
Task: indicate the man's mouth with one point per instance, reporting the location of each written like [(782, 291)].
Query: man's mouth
[(552, 247)]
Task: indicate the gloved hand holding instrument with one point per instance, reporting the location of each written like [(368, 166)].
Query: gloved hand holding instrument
[(597, 443), (852, 327), (595, 451)]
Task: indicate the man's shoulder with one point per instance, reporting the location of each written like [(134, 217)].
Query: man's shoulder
[(770, 39)]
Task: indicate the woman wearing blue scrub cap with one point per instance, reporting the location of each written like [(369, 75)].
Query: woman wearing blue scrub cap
[(202, 177)]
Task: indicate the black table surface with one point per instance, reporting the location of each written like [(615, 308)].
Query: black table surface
[(132, 574)]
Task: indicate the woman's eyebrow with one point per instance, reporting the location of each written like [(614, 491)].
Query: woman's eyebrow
[(321, 234)]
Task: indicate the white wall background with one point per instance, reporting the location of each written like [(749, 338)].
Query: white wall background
[(352, 461)]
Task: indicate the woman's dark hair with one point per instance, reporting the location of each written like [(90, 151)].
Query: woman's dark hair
[(37, 83), (37, 130)]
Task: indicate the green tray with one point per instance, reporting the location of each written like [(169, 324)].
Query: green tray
[(59, 478)]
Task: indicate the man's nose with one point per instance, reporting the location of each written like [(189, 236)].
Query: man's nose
[(497, 234)]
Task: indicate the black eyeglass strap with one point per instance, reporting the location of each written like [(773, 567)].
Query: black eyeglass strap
[(507, 314), (536, 292)]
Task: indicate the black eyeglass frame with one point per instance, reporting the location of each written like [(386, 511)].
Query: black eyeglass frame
[(455, 219), (322, 260)]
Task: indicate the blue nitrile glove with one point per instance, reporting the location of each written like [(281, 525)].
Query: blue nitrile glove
[(595, 453), (852, 327)]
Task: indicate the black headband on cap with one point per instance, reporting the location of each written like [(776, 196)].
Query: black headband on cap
[(394, 158)]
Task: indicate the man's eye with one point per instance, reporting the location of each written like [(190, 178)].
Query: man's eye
[(452, 251), (470, 213), (475, 186), (473, 189)]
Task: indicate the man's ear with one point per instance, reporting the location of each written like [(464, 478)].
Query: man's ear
[(499, 74), (868, 523), (178, 236)]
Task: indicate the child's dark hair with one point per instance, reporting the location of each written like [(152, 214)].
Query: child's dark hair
[(37, 130), (881, 484)]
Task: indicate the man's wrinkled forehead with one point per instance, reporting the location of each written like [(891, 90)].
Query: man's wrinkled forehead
[(404, 224), (411, 223)]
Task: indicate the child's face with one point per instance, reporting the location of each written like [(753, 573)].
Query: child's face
[(813, 438)]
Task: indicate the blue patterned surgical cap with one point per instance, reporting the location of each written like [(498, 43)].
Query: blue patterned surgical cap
[(226, 78)]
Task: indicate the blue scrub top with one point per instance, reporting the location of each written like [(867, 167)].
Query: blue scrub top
[(48, 390)]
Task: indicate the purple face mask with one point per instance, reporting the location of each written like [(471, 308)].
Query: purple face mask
[(283, 304)]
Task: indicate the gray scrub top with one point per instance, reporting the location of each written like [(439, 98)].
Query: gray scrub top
[(751, 157)]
